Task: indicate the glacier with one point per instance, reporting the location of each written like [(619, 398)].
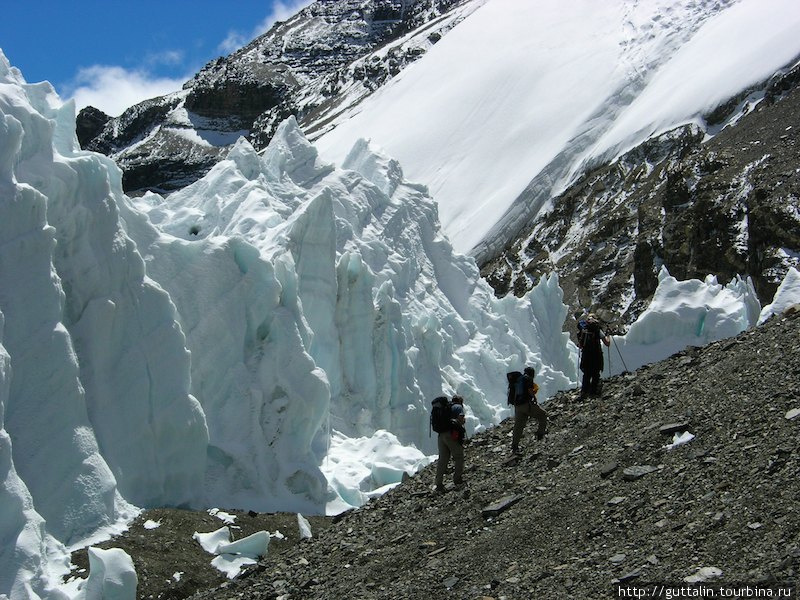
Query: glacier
[(348, 306), (204, 350), (267, 338)]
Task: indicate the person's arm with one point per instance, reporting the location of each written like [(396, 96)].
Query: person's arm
[(459, 434)]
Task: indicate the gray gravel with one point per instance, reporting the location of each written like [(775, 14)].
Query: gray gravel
[(600, 501)]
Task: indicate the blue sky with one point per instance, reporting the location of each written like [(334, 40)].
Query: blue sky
[(112, 54)]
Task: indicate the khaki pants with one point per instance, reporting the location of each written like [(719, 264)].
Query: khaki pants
[(523, 412), (448, 447)]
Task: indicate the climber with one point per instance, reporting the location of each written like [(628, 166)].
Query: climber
[(522, 391), (589, 337), (451, 444)]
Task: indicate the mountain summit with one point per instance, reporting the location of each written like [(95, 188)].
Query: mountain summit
[(324, 60)]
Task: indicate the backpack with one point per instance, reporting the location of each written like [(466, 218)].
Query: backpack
[(441, 414), (588, 331), (517, 394)]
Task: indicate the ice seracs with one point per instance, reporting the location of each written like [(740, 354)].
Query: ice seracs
[(87, 336), (233, 556), (112, 576), (684, 313), (787, 295), (378, 312)]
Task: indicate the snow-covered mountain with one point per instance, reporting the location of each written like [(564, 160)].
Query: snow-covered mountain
[(530, 95), (727, 206), (536, 149), (538, 128), (323, 61)]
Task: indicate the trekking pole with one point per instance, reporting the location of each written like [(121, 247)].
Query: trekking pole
[(620, 355)]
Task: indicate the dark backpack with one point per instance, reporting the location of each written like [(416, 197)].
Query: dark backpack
[(588, 332), (441, 414), (517, 394)]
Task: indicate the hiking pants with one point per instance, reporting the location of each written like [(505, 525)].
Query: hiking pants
[(591, 383), (523, 412), (448, 447)]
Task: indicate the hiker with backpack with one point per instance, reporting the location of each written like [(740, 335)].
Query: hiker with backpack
[(589, 337), (447, 420), (522, 391)]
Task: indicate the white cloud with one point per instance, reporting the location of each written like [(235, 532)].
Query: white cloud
[(112, 89), (168, 57), (280, 12)]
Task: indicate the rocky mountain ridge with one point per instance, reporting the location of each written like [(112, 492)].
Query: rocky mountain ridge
[(325, 59), (609, 498), (725, 205)]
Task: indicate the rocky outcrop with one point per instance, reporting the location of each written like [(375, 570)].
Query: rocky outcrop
[(725, 206), (90, 125), (130, 128), (324, 60)]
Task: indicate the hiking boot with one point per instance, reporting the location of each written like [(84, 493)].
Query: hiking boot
[(516, 451), (440, 488)]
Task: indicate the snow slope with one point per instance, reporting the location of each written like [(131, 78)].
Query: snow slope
[(517, 100)]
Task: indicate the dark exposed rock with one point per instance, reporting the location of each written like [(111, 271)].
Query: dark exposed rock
[(320, 62), (630, 576), (90, 124), (500, 506), (672, 428), (608, 469), (129, 128), (637, 472), (727, 206)]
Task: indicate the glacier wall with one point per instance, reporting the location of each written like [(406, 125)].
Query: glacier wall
[(347, 308), (99, 401), (203, 349), (23, 539), (95, 373)]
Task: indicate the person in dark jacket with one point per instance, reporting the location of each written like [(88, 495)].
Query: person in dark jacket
[(451, 445), (590, 335), (527, 407)]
